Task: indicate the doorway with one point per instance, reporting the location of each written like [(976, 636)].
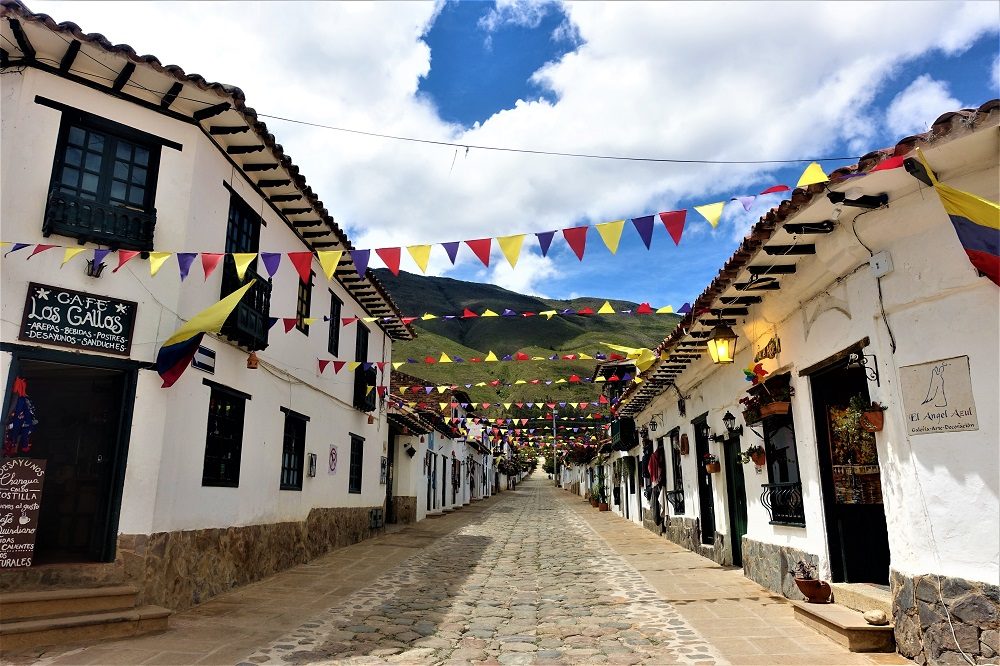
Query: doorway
[(857, 536), (736, 490), (84, 416), (705, 499), (390, 506)]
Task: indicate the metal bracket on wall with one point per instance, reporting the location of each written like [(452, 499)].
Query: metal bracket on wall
[(856, 360)]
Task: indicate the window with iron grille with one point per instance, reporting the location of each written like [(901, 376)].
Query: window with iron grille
[(678, 471), (357, 456), (242, 227), (224, 438), (303, 304), (293, 450), (333, 342)]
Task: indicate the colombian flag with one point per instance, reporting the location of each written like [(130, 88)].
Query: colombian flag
[(177, 351), (977, 222)]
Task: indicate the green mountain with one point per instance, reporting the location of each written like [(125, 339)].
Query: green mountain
[(535, 336)]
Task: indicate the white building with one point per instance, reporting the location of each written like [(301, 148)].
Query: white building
[(233, 473), (872, 299)]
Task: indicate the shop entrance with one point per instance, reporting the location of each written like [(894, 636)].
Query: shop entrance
[(857, 536), (736, 490), (706, 503), (84, 416)]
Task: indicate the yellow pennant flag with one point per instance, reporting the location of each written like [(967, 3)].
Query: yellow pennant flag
[(537, 358), (489, 313), (403, 390), (428, 316), (441, 389), (442, 405), (507, 405), (474, 405), (242, 261), (329, 259), (480, 383), (549, 314), (666, 309), (309, 321), (711, 212), (353, 365), (643, 357), (561, 380), (511, 247), (812, 175), (638, 379), (600, 378), (611, 233), (520, 381), (606, 309), (70, 253), (421, 255), (491, 357), (396, 364), (444, 358), (586, 357), (156, 260), (370, 389), (369, 320)]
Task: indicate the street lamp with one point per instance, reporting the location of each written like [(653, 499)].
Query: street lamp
[(730, 422), (722, 344)]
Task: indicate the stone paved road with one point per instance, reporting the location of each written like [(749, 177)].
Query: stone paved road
[(530, 583)]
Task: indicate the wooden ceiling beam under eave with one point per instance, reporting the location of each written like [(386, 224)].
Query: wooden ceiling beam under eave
[(262, 166), (282, 198), (171, 95), (216, 130), (22, 40), (123, 76), (211, 111), (244, 150), (67, 60)]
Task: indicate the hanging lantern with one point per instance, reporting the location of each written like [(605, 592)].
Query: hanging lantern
[(722, 344)]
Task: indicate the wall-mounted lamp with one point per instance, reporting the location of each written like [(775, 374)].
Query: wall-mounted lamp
[(718, 439), (729, 420), (854, 197), (95, 270), (410, 451), (856, 360), (722, 343)]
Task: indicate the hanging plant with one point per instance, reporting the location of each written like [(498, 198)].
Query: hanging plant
[(711, 462), (873, 417), (754, 453), (853, 443)]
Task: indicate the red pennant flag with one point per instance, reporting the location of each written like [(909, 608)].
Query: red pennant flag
[(303, 264), (209, 261), (776, 188), (124, 256), (381, 391), (453, 405), (389, 255), (409, 320), (42, 247), (429, 359), (338, 366), (574, 378), (486, 405), (614, 378), (891, 163), (570, 357), (550, 405), (322, 365), (644, 309), (674, 222), (475, 359), (535, 381), (481, 248), (616, 357), (468, 314), (495, 382), (577, 239), (289, 323), (347, 321), (381, 365), (521, 356), (585, 311)]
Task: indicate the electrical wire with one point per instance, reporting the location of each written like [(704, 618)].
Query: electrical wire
[(878, 280)]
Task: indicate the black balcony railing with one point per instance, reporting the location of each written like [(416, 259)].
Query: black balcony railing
[(364, 397), (247, 326), (784, 502), (107, 224), (676, 500)]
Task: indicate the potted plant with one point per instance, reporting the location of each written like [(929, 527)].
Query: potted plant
[(873, 417), (755, 453), (751, 408), (711, 462), (815, 591)]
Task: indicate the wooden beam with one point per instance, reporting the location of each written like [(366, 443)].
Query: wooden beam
[(123, 76), (769, 285), (315, 234), (298, 211), (243, 150), (823, 227), (299, 224), (321, 246), (69, 56), (228, 129), (211, 111), (740, 300), (22, 39), (789, 250), (4, 58), (171, 95), (279, 182), (777, 269), (260, 166), (736, 312), (278, 198)]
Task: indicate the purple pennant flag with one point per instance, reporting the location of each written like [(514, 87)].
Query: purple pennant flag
[(508, 357), (452, 250), (458, 359), (601, 357), (271, 262), (587, 379), (428, 389), (367, 366), (562, 404), (626, 377), (21, 246), (468, 386), (507, 312), (100, 254), (685, 309), (271, 321), (548, 382), (411, 360), (360, 259), (554, 357), (326, 317), (184, 261), (568, 312), (644, 225), (746, 200), (531, 405), (544, 241), (449, 316)]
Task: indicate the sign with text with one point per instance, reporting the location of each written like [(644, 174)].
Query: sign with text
[(68, 318), (21, 482), (938, 397)]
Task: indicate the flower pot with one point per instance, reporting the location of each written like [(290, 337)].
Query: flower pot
[(751, 416), (713, 468), (815, 591), (593, 503), (758, 458), (603, 506), (873, 420), (775, 408)]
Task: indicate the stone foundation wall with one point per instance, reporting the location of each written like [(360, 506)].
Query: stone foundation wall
[(405, 509), (767, 564), (180, 569), (686, 532), (923, 630)]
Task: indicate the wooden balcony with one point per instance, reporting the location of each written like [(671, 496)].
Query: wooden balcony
[(107, 224), (247, 326)]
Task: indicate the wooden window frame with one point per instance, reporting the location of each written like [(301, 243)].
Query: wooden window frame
[(336, 310), (355, 472), (219, 391), (292, 474), (303, 303)]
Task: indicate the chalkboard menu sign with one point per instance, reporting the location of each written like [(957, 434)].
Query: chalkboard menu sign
[(67, 318), (21, 482)]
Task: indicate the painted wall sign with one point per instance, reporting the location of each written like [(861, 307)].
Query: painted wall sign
[(21, 481), (770, 350), (332, 464), (937, 396), (68, 318)]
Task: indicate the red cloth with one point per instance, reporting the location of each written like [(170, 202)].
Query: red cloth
[(655, 465)]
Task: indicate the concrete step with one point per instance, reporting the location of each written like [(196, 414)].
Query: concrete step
[(863, 597), (26, 634), (845, 626), (35, 604)]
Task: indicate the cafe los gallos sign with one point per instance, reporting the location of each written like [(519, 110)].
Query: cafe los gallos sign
[(68, 318)]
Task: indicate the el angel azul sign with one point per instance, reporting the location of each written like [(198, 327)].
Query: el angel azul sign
[(68, 318), (938, 396)]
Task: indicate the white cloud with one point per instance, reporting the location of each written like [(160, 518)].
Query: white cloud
[(996, 75), (528, 278), (914, 109), (522, 13)]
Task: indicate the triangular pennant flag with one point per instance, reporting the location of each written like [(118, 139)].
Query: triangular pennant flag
[(390, 257), (611, 234), (576, 237), (329, 260), (396, 364), (303, 265), (322, 365), (711, 212), (353, 365), (747, 201), (685, 309), (511, 247), (644, 226), (289, 323), (209, 262), (481, 248), (489, 313), (369, 320), (421, 254), (427, 316), (643, 309), (360, 259), (666, 309), (544, 241), (468, 314), (338, 366), (490, 358), (99, 256), (444, 358), (548, 314), (673, 221), (891, 163), (452, 249), (243, 261), (271, 262), (606, 309), (42, 247), (812, 175), (776, 188), (125, 256), (21, 246), (71, 252), (156, 260), (347, 321)]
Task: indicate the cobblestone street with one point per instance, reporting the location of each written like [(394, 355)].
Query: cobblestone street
[(530, 577)]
